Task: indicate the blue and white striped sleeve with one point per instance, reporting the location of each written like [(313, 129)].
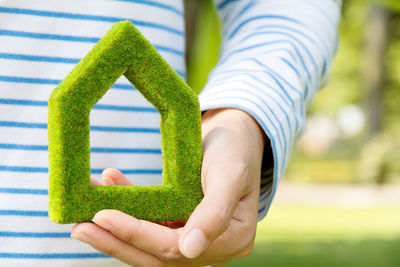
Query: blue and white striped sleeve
[(275, 55)]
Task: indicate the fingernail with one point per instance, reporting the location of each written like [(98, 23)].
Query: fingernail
[(81, 237), (194, 243), (108, 181), (100, 220)]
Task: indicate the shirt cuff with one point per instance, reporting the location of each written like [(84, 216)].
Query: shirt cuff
[(232, 94)]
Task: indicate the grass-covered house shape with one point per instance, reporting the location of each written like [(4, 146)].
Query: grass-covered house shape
[(123, 51)]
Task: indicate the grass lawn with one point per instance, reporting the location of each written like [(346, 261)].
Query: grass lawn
[(303, 235)]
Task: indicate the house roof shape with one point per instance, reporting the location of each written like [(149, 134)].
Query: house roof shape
[(123, 51)]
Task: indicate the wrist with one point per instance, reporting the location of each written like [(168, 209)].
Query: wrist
[(236, 118)]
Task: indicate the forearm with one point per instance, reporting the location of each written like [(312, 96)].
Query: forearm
[(275, 55)]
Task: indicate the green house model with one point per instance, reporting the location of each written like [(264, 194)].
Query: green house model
[(123, 51)]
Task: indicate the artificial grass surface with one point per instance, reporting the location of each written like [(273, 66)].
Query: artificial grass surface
[(123, 51), (304, 235)]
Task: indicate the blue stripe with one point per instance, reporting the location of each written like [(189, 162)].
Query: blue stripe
[(276, 74), (264, 197), (125, 108), (303, 34), (266, 44), (288, 35), (24, 169), (23, 102), (261, 209), (125, 150), (93, 171), (248, 73), (92, 149), (23, 124), (290, 65), (279, 106), (244, 49), (32, 213), (155, 4), (270, 51), (64, 15), (245, 8), (39, 58), (168, 49), (75, 39), (24, 191), (124, 129), (297, 72), (28, 80), (15, 79), (122, 86), (93, 128), (285, 92), (273, 74), (52, 255), (49, 36), (97, 106), (263, 17), (35, 235), (225, 3)]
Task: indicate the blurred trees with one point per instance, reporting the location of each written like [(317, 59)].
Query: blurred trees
[(366, 74), (374, 74)]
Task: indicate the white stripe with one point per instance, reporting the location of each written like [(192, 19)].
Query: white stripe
[(109, 262), (23, 180), (24, 202)]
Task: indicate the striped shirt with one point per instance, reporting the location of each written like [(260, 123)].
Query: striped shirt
[(274, 57)]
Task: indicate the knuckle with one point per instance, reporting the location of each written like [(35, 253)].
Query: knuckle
[(219, 217), (131, 236), (170, 254), (242, 169), (242, 173), (246, 251), (249, 229), (110, 250)]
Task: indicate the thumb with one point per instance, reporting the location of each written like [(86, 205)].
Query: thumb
[(113, 176), (213, 215)]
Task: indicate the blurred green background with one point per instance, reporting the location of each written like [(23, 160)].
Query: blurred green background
[(352, 142)]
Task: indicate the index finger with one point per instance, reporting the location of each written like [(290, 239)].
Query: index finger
[(150, 237)]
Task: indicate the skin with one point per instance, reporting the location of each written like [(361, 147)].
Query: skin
[(223, 225)]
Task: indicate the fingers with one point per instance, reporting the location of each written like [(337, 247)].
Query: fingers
[(94, 181), (213, 215), (113, 176), (153, 238), (107, 243)]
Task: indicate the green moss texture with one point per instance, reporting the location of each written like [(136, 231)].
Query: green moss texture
[(123, 51)]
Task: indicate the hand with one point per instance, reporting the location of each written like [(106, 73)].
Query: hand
[(222, 226)]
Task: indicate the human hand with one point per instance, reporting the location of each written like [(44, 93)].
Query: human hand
[(222, 226)]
